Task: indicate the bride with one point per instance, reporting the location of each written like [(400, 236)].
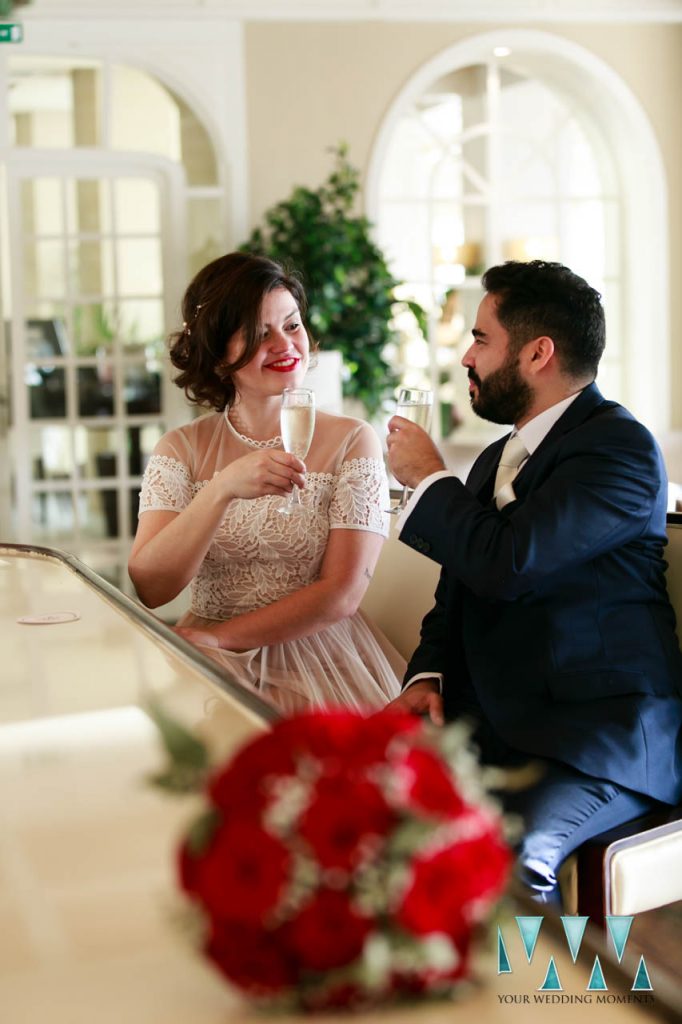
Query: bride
[(274, 597)]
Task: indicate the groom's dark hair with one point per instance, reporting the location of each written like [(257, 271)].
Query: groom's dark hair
[(539, 298)]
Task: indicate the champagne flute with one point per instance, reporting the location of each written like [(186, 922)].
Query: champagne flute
[(297, 424), (416, 405)]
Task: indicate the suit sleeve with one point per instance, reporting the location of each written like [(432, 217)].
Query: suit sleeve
[(599, 493), (438, 643)]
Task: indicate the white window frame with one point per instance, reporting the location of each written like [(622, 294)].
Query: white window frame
[(28, 163), (636, 154)]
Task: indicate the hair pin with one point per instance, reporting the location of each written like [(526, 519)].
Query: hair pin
[(185, 325)]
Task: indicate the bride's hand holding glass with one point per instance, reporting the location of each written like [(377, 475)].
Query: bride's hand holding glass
[(298, 427), (262, 472)]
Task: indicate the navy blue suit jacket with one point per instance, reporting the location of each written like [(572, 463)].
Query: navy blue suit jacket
[(552, 621)]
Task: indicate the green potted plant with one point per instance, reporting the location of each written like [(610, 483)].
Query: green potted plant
[(7, 6), (350, 288)]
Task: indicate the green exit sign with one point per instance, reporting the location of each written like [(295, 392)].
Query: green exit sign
[(11, 33)]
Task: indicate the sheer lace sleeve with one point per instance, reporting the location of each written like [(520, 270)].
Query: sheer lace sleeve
[(360, 494), (166, 485)]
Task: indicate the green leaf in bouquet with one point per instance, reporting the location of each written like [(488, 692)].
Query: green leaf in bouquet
[(179, 780), (201, 831), (188, 758)]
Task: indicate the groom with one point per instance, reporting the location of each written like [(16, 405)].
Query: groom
[(552, 629)]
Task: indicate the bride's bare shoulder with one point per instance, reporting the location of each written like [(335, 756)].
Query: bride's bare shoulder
[(186, 442), (201, 429), (340, 426)]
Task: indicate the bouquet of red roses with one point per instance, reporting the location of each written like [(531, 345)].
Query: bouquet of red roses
[(345, 860)]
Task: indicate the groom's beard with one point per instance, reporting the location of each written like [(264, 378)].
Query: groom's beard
[(503, 397)]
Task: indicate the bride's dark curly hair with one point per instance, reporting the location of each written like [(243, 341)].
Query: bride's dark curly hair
[(225, 295)]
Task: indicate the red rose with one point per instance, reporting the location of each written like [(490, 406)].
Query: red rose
[(328, 932), (445, 884), (253, 958), (379, 731), (240, 875), (428, 784), (243, 786), (344, 742), (320, 734), (342, 815)]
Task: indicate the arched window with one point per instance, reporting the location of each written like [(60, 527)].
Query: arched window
[(504, 148)]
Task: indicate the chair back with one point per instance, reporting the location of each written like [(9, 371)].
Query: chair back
[(401, 593)]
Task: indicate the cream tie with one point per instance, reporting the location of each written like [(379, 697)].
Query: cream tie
[(513, 454)]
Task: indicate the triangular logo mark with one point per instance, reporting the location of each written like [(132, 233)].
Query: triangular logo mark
[(619, 929), (503, 965), (529, 928), (596, 982), (642, 982), (575, 929), (551, 982)]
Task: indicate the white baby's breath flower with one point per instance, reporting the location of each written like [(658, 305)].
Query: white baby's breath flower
[(433, 952), (376, 962), (440, 953), (290, 797), (465, 829), (410, 838), (303, 882), (380, 888)]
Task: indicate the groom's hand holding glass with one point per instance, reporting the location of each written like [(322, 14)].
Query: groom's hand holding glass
[(412, 455)]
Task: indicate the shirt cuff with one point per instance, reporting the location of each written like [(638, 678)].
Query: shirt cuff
[(417, 493), (426, 675)]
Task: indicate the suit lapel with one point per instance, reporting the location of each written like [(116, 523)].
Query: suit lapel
[(481, 478)]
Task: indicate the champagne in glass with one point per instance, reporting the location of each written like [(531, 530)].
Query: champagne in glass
[(298, 426), (416, 412), (416, 405)]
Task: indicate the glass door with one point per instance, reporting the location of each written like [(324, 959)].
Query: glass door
[(90, 392)]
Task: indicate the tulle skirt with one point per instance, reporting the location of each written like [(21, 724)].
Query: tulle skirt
[(349, 664)]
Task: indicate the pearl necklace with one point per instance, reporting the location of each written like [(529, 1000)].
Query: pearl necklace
[(272, 442)]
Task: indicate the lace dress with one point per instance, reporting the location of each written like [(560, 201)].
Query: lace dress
[(258, 556)]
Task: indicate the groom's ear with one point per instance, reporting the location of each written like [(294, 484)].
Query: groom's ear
[(538, 353)]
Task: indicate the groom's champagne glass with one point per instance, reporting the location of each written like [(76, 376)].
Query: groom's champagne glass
[(298, 426), (416, 405)]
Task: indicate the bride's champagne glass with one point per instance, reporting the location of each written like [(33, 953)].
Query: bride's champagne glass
[(298, 425), (416, 405)]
